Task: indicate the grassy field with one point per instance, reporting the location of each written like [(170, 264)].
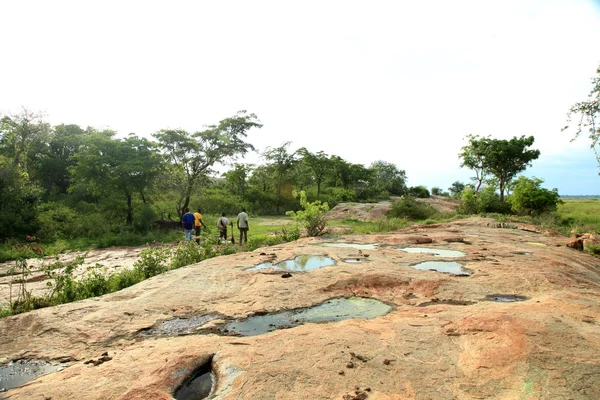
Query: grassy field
[(582, 214)]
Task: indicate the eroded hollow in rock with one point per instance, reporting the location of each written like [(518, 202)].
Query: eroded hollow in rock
[(447, 267), (200, 385), (432, 251), (329, 311), (359, 246), (505, 298), (300, 263), (521, 253), (19, 372), (451, 302)]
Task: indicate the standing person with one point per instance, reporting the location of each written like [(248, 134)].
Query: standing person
[(222, 225), (188, 224), (243, 226), (197, 223)]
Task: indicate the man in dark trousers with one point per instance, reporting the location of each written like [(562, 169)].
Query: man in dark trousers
[(187, 221), (243, 226)]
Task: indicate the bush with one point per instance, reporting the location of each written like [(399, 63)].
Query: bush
[(420, 192), (56, 221), (468, 203), (488, 201), (312, 216), (153, 261), (259, 241), (187, 253), (408, 207), (529, 198)]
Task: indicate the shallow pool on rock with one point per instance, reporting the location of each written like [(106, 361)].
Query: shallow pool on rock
[(329, 311), (358, 246), (432, 251), (19, 372), (505, 298), (448, 267), (300, 263)]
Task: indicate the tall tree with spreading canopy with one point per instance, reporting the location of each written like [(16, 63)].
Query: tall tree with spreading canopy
[(18, 132), (588, 116), (502, 158), (319, 164), (193, 155), (387, 176), (105, 165)]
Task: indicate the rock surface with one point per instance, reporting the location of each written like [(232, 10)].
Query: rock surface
[(442, 339)]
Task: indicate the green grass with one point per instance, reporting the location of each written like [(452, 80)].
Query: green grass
[(581, 214)]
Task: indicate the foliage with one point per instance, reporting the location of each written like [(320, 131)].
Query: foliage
[(456, 189), (153, 261), (588, 113), (387, 177), (420, 192), (280, 165), (192, 155), (409, 207), (319, 164), (468, 204), (186, 253), (502, 158), (489, 201), (530, 198), (312, 215)]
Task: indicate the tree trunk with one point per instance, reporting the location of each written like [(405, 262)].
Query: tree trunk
[(318, 188), (129, 219), (501, 191)]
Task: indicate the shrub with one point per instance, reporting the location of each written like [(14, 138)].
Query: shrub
[(420, 192), (312, 216), (258, 241), (468, 203), (488, 201), (187, 253), (408, 207), (530, 198), (153, 261)]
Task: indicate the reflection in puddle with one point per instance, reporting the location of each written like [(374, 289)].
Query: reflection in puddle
[(19, 372), (350, 245), (331, 310), (355, 260), (199, 386), (300, 263), (505, 298), (521, 253), (435, 252), (448, 267)]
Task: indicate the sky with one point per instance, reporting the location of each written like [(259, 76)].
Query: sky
[(399, 81)]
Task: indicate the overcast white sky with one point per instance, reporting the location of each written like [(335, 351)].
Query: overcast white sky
[(401, 81)]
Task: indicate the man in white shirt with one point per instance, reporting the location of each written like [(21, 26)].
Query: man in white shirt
[(243, 226)]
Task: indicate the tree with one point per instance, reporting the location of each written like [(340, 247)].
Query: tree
[(472, 157), (280, 164), (312, 215), (106, 165), (502, 158), (237, 178), (588, 113), (192, 155), (319, 163), (386, 176), (18, 132), (529, 197), (456, 189)]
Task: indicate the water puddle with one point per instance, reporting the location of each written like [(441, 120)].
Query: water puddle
[(358, 246), (505, 298), (178, 325), (355, 260), (435, 252), (200, 385), (521, 253), (300, 263), (19, 372), (447, 267), (329, 311)]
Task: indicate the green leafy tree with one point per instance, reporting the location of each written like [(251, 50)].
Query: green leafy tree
[(280, 164), (472, 157), (529, 197), (237, 179), (319, 164), (193, 155), (312, 215), (105, 166), (18, 132), (387, 177), (588, 116), (420, 192), (456, 189), (503, 159)]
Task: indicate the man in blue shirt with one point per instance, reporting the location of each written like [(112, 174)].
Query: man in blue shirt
[(188, 221)]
